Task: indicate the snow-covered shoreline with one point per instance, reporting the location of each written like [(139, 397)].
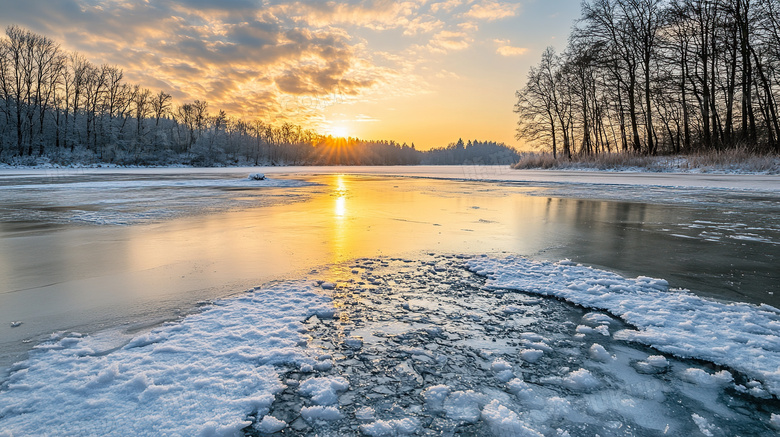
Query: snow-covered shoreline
[(487, 173), (199, 376)]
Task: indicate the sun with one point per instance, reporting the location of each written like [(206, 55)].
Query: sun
[(338, 131)]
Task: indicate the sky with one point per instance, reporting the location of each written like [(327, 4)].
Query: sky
[(425, 72)]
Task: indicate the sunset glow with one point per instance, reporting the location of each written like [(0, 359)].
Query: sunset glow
[(338, 131), (423, 72)]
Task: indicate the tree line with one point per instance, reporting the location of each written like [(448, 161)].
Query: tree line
[(58, 106), (472, 152), (658, 77)]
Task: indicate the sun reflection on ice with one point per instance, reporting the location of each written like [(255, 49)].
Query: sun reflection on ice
[(341, 197), (341, 207), (341, 231)]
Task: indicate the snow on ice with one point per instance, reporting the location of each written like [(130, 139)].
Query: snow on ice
[(741, 336), (200, 376)]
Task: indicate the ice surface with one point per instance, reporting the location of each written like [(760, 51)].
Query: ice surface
[(282, 359), (741, 336), (130, 197)]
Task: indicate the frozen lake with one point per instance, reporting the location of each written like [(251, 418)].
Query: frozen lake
[(111, 253)]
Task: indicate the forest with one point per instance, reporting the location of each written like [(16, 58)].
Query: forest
[(58, 108), (652, 77)]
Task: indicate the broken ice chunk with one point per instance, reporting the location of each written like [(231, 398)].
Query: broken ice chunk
[(323, 391), (319, 413), (434, 397), (704, 426), (354, 342), (531, 355), (657, 361), (653, 364), (774, 421), (256, 177), (463, 405), (405, 426), (502, 369), (601, 329), (581, 380), (503, 421), (594, 319), (365, 413), (701, 377), (270, 425), (598, 353), (500, 364)]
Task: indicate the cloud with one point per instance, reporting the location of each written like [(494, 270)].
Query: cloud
[(363, 118), (253, 57), (511, 51), (447, 40), (371, 14), (491, 10), (446, 6)]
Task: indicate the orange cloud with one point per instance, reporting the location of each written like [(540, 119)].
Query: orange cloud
[(448, 40), (511, 51), (493, 10)]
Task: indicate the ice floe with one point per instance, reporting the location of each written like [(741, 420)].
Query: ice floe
[(741, 336)]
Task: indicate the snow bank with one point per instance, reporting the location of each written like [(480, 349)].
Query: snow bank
[(741, 336), (201, 376)]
